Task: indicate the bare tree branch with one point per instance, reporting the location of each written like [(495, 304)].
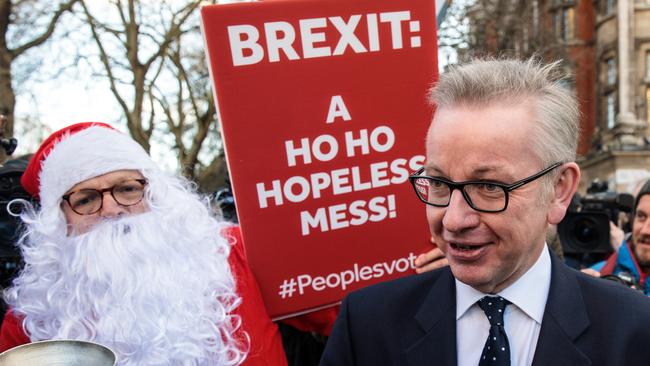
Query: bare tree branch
[(10, 19), (174, 31), (64, 7), (166, 87), (105, 61)]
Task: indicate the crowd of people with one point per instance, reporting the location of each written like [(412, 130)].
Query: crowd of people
[(121, 253)]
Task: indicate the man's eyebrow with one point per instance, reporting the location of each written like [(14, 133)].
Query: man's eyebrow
[(481, 172), (487, 170)]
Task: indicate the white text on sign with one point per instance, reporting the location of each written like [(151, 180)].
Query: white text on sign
[(342, 280), (339, 181), (342, 215), (316, 185), (281, 37)]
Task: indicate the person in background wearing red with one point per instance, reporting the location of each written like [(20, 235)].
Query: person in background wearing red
[(122, 254)]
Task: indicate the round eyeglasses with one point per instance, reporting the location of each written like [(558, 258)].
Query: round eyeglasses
[(89, 201), (482, 195)]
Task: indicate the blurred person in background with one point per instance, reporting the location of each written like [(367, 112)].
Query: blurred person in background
[(630, 262)]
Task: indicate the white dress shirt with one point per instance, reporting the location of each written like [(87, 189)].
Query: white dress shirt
[(522, 318)]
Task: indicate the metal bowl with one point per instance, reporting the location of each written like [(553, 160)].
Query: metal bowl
[(58, 353)]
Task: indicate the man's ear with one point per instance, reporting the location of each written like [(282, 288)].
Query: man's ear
[(564, 186)]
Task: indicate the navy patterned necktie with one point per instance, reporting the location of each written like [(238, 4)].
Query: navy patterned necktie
[(496, 351)]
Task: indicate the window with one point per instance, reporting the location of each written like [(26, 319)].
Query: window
[(611, 109), (568, 20), (647, 65), (608, 7), (611, 71), (608, 77), (557, 24), (564, 23), (535, 17), (647, 103)]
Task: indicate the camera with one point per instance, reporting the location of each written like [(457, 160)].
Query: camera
[(225, 203), (585, 228), (9, 145), (626, 279)]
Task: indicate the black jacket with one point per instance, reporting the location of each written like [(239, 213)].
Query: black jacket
[(412, 321)]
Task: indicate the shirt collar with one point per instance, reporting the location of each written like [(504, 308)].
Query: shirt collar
[(529, 293)]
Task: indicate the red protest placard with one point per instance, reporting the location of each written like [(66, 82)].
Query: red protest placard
[(324, 114)]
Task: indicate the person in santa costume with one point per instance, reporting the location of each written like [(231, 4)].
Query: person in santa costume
[(122, 254)]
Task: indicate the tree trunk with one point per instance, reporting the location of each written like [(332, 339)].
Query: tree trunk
[(7, 95)]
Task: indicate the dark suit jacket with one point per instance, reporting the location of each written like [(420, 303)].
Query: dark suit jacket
[(412, 321)]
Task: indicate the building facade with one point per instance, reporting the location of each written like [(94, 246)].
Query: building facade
[(605, 47), (620, 152)]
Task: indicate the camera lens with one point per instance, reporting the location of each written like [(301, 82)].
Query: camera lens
[(586, 231)]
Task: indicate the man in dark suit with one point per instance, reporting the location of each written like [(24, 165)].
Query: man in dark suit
[(499, 170)]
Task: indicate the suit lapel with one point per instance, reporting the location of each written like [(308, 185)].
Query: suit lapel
[(565, 318), (437, 319)]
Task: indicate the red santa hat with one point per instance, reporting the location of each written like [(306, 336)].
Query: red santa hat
[(77, 153)]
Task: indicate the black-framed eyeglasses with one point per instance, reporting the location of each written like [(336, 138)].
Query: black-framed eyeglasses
[(481, 195), (89, 201)]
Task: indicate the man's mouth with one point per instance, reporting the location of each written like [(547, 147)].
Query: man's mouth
[(467, 252), (466, 247)]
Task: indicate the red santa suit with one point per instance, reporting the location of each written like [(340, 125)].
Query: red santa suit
[(265, 341), (43, 179)]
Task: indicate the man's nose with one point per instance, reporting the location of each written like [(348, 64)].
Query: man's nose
[(110, 207), (459, 215)]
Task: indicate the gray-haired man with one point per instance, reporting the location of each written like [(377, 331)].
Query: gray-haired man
[(499, 169)]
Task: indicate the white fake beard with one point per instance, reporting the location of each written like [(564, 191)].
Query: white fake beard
[(149, 290)]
